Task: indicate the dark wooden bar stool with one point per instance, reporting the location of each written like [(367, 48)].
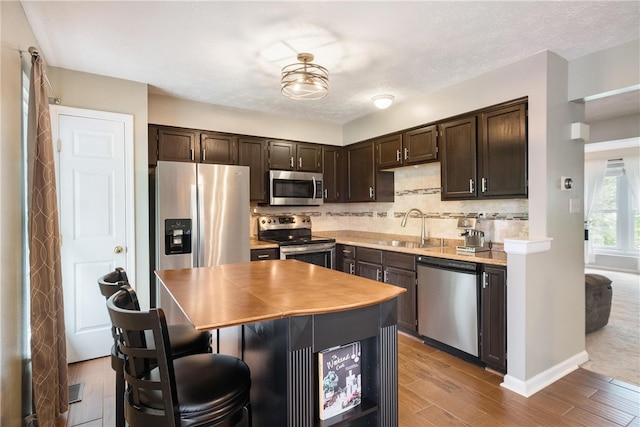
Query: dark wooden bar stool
[(184, 339), (196, 390)]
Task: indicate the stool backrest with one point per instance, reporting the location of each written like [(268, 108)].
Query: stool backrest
[(111, 282), (148, 367)]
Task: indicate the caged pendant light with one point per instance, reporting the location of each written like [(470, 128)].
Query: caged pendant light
[(304, 80)]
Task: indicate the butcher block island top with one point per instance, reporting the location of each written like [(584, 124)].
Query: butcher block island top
[(242, 293)]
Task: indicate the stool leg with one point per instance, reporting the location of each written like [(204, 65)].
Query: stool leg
[(120, 422), (120, 401)]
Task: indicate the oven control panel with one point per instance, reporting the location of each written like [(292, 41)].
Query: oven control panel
[(283, 222)]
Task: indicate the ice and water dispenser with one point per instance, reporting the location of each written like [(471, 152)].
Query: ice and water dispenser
[(177, 236)]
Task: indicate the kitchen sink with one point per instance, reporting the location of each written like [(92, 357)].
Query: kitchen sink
[(405, 244)]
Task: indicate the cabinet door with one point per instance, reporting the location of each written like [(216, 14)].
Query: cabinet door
[(361, 172), (407, 308), (332, 173), (253, 153), (176, 145), (369, 270), (420, 145), (308, 157), (459, 152), (494, 318), (282, 155), (503, 152), (218, 148), (349, 266), (389, 151)]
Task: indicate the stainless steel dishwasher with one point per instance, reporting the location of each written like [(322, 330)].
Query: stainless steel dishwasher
[(448, 302)]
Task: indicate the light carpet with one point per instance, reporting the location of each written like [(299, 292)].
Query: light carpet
[(614, 350)]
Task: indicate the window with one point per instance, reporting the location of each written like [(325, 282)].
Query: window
[(615, 221)]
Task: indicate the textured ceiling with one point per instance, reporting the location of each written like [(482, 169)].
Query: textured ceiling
[(231, 53)]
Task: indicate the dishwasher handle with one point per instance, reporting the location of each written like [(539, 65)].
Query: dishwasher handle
[(448, 264)]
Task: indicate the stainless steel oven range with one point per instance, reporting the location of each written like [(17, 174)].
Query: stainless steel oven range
[(293, 235)]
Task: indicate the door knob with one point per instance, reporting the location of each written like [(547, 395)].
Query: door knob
[(118, 249)]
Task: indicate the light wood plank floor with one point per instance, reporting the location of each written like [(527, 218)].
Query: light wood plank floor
[(435, 389)]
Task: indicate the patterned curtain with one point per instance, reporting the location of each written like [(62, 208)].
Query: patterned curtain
[(48, 342)]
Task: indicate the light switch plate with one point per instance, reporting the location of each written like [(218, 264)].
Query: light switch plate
[(574, 206)]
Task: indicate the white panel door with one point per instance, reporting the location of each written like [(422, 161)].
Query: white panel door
[(92, 188)]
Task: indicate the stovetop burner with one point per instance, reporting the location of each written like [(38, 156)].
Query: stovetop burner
[(288, 230)]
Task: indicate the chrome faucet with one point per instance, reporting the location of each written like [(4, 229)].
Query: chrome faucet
[(404, 222)]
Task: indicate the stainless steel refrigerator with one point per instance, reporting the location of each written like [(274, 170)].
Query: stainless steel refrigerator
[(202, 219)]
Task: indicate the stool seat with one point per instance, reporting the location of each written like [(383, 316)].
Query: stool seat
[(200, 403)]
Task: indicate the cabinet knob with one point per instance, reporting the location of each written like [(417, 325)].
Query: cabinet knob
[(397, 155), (484, 185), (291, 162), (300, 162), (406, 153), (371, 192), (471, 185)]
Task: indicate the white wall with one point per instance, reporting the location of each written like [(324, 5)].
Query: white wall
[(170, 111), (614, 129), (605, 71), (15, 35)]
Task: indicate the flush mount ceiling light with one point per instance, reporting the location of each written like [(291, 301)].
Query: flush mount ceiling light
[(382, 101), (305, 80)]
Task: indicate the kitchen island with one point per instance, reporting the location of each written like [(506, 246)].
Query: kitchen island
[(291, 311)]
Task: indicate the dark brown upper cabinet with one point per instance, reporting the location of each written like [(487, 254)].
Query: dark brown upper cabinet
[(295, 156), (420, 145), (389, 151), (484, 155), (364, 182), (502, 162), (332, 173), (458, 150), (218, 148), (409, 148), (252, 152), (178, 145)]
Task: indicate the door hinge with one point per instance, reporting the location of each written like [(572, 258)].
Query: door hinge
[(59, 146)]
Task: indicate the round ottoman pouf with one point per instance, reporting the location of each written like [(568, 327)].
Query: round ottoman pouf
[(598, 293)]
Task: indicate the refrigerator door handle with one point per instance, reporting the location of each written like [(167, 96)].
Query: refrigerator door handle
[(196, 245)]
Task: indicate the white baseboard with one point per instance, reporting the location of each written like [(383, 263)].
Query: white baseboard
[(531, 386)]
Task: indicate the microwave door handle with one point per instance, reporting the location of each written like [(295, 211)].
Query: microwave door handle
[(314, 187)]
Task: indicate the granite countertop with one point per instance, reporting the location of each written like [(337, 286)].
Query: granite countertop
[(496, 256)]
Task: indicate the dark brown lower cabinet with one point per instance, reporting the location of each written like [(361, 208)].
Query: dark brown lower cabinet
[(346, 258), (493, 317), (400, 270), (394, 268)]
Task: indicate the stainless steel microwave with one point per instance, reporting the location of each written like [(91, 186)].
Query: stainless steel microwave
[(289, 188)]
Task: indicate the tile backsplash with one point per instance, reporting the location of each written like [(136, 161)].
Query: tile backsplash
[(415, 187)]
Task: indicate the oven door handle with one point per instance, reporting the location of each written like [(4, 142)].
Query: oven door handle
[(304, 249)]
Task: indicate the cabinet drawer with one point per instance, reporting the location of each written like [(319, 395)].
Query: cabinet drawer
[(348, 251), (370, 255), (400, 260), (263, 254)]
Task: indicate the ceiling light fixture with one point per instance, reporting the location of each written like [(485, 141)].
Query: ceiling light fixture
[(305, 80), (382, 101)]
